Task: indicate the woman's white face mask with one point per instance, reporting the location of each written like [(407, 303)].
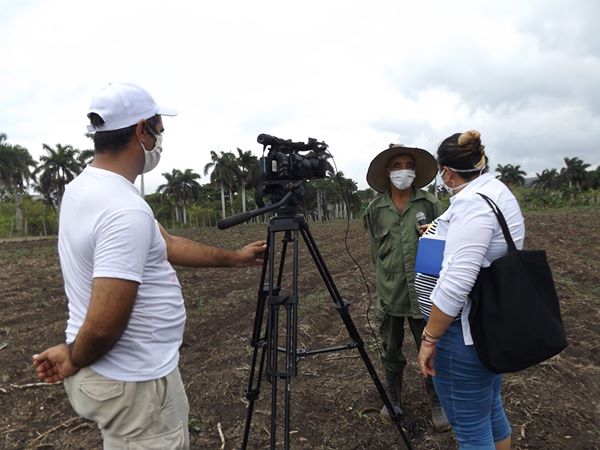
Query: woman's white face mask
[(450, 190), (402, 179), (152, 157)]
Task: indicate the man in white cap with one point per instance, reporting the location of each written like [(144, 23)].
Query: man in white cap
[(392, 220), (126, 310)]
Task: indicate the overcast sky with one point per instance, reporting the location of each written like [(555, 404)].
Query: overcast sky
[(358, 75)]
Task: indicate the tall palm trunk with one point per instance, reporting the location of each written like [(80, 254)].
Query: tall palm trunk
[(222, 200), (319, 207), (243, 197), (18, 212)]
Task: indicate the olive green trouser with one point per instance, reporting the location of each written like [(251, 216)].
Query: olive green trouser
[(391, 334)]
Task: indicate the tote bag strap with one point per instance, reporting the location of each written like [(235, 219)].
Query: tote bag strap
[(509, 240)]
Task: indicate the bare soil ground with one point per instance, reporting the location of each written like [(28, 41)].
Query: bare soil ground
[(335, 405)]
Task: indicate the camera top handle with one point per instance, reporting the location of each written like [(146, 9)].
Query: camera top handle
[(282, 144)]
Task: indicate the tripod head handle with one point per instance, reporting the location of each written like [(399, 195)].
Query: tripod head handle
[(228, 222)]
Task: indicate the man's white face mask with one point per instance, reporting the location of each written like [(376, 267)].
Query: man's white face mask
[(152, 157), (402, 179)]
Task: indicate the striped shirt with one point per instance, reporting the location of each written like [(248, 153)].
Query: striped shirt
[(424, 283)]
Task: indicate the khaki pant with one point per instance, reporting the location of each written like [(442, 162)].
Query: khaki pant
[(145, 415)]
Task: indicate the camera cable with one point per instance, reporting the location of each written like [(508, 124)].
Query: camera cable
[(345, 197)]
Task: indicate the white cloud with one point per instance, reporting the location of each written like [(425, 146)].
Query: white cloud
[(358, 75)]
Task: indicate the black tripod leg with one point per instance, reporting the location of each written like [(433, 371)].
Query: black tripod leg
[(272, 332), (274, 289), (342, 307), (272, 344), (258, 344), (291, 350)]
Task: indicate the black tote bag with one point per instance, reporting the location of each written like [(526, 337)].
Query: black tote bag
[(515, 315)]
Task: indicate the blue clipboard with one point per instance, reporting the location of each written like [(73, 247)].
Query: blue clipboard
[(430, 254)]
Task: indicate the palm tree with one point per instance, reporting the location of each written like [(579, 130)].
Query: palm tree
[(574, 173), (248, 166), (15, 173), (320, 194), (594, 178), (548, 179), (347, 189), (85, 157), (224, 173), (510, 174), (313, 198), (182, 187), (56, 170), (339, 191)]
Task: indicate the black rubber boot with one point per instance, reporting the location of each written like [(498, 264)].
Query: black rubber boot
[(438, 416), (394, 391)]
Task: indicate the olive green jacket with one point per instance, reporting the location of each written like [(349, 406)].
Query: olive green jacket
[(394, 237)]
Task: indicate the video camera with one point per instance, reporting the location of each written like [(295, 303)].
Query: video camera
[(283, 171), (285, 163)]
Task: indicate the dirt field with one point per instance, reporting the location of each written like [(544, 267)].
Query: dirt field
[(555, 405)]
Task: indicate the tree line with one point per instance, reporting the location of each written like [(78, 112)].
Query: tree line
[(575, 175), (574, 184), (31, 191), (34, 189)]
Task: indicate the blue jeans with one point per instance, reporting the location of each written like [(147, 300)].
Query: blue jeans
[(469, 393)]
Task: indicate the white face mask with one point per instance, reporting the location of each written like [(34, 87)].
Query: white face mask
[(152, 157), (402, 179), (449, 189)]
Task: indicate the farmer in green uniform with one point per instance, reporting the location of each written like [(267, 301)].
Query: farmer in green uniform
[(398, 173)]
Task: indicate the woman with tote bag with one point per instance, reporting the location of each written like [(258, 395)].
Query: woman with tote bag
[(470, 394)]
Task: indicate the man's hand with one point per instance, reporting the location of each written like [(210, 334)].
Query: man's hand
[(251, 254), (185, 252), (54, 364)]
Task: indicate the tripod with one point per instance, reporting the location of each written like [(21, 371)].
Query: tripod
[(282, 361)]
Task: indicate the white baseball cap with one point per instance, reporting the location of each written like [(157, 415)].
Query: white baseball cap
[(124, 104)]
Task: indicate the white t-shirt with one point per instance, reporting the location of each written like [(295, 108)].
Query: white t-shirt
[(474, 239), (107, 230)]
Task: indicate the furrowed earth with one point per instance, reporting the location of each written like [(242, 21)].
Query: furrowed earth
[(555, 405)]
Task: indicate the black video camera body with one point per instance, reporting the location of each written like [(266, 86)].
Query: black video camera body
[(284, 161)]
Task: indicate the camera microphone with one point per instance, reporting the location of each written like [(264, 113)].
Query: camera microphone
[(421, 218), (266, 139)]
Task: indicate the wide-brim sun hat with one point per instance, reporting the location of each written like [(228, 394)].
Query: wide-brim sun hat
[(425, 167)]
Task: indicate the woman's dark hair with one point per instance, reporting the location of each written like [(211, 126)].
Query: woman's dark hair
[(464, 153), (115, 140)]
